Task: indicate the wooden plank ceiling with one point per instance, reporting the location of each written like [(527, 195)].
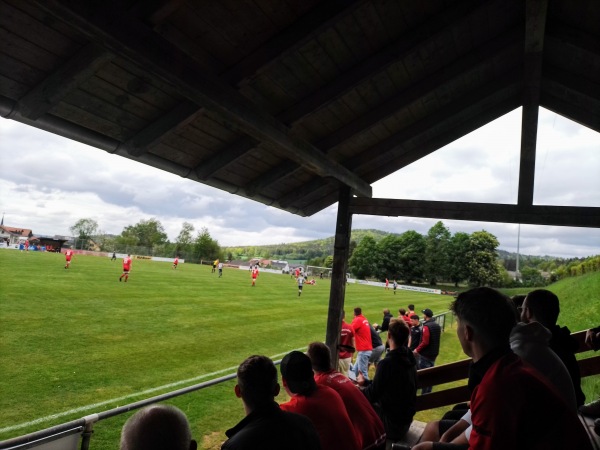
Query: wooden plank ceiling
[(286, 102)]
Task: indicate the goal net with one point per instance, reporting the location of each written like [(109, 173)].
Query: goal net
[(316, 271)]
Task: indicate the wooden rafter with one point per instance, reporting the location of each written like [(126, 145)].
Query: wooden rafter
[(67, 77), (482, 55), (151, 135), (103, 23)]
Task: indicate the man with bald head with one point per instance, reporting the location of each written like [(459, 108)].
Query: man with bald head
[(157, 427)]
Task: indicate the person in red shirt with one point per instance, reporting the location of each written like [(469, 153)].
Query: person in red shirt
[(68, 256), (346, 346), (367, 424), (321, 404), (503, 382), (175, 262), (126, 268), (254, 275), (362, 337)]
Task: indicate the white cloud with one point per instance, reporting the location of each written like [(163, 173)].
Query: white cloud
[(47, 183)]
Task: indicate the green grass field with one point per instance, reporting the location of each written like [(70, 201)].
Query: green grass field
[(78, 341)]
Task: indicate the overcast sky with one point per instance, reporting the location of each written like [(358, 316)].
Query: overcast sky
[(48, 182)]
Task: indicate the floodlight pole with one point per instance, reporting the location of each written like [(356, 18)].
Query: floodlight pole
[(341, 249)]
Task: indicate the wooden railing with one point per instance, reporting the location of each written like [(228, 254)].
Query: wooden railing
[(457, 371)]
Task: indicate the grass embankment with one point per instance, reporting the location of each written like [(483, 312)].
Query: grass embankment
[(75, 338)]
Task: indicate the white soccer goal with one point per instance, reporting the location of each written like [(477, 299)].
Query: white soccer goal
[(316, 271)]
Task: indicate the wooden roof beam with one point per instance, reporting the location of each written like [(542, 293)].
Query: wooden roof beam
[(569, 216), (480, 56), (378, 62), (179, 116), (535, 23), (66, 78), (393, 154), (385, 152), (474, 122), (478, 120), (291, 38), (113, 28)]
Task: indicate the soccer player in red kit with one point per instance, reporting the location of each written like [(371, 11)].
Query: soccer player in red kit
[(254, 276), (175, 262), (126, 268), (68, 256)]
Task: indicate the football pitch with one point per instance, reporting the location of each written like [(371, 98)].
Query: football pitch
[(78, 341)]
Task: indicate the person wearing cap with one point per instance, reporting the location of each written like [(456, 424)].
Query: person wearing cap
[(367, 423), (429, 347), (321, 404), (266, 426)]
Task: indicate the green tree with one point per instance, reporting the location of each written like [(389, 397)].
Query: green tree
[(185, 238), (411, 256), (363, 262), (532, 277), (387, 255), (205, 247), (482, 259), (148, 233), (84, 230), (459, 248), (436, 253), (328, 261)]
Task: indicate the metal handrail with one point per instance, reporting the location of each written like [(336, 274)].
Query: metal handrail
[(85, 424)]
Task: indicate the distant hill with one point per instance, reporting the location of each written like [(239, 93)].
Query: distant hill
[(324, 247)]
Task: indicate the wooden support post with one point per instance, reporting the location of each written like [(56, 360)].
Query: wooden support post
[(337, 293)]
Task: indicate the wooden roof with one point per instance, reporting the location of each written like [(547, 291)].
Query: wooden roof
[(287, 102)]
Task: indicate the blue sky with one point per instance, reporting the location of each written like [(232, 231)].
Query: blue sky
[(47, 183)]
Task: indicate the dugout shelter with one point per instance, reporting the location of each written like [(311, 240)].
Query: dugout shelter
[(299, 104)]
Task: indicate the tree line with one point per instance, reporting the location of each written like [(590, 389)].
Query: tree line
[(437, 257), (148, 237)]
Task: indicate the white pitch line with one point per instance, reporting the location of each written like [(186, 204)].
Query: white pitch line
[(125, 397)]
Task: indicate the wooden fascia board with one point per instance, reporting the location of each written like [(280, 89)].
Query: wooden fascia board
[(589, 119), (129, 38), (458, 131), (81, 66), (571, 216), (391, 148)]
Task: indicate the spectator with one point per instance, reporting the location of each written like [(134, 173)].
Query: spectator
[(378, 347), (416, 332), (518, 300), (367, 423), (411, 310), (346, 346), (429, 347), (542, 306), (385, 322), (393, 392), (362, 337), (592, 409), (266, 426), (157, 427), (321, 404), (402, 315), (503, 382), (530, 341)]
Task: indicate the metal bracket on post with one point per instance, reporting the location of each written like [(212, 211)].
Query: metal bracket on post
[(88, 430)]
